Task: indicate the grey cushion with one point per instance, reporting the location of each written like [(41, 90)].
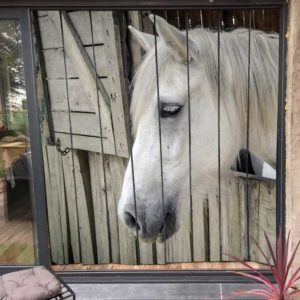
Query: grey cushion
[(32, 284)]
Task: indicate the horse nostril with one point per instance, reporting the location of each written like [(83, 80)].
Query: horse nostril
[(161, 228), (168, 216), (131, 221)]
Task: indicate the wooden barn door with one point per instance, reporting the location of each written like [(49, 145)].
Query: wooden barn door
[(82, 90)]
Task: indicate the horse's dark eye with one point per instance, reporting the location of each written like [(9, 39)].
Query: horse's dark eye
[(169, 110)]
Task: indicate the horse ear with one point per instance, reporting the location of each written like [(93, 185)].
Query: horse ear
[(174, 39), (145, 40)]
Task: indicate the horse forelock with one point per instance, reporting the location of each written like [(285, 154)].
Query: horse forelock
[(234, 58)]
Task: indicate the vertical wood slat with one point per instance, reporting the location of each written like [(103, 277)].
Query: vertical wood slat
[(84, 207), (115, 74), (200, 218), (54, 223), (233, 218), (100, 207), (254, 211), (72, 207), (146, 253), (229, 214), (57, 165), (265, 219), (174, 252), (261, 214), (64, 219), (122, 239), (214, 221)]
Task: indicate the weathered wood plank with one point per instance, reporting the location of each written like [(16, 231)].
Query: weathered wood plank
[(77, 96), (199, 223), (100, 208), (231, 218), (244, 216), (105, 206), (51, 37), (174, 252), (267, 215), (115, 73), (254, 194), (93, 86), (82, 123), (55, 68), (56, 164), (146, 253), (84, 207), (54, 220), (116, 167), (81, 22), (71, 206), (214, 226), (87, 143), (182, 253), (135, 19), (161, 253)]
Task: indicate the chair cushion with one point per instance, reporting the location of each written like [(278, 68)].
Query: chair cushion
[(32, 284)]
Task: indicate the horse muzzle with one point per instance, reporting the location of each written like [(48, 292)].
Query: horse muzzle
[(150, 223)]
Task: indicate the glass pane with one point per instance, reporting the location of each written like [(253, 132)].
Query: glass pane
[(177, 166), (16, 234)]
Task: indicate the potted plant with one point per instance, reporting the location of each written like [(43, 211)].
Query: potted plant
[(279, 261)]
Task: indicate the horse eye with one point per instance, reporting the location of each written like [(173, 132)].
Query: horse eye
[(169, 110)]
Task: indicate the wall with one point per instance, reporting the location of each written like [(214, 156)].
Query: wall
[(293, 126)]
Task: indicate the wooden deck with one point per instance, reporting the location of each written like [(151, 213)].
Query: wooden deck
[(16, 236)]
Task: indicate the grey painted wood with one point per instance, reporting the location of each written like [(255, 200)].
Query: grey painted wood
[(80, 20), (114, 85), (56, 164), (85, 92), (55, 63), (232, 217), (77, 97), (99, 191), (214, 226), (87, 143), (52, 192), (84, 207), (68, 170), (199, 237)]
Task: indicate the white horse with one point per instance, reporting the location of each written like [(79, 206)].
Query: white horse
[(157, 216)]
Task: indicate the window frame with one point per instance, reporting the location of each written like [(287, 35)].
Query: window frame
[(17, 9)]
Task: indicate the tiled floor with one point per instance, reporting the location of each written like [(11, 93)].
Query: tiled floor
[(163, 291)]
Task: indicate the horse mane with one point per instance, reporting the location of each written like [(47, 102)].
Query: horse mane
[(234, 56)]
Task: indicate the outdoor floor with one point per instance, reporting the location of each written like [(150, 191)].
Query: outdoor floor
[(163, 291), (16, 237)]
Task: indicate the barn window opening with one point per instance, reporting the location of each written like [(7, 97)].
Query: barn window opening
[(159, 133)]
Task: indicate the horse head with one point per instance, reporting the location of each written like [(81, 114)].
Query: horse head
[(176, 128)]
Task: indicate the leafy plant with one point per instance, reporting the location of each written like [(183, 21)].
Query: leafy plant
[(279, 263)]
